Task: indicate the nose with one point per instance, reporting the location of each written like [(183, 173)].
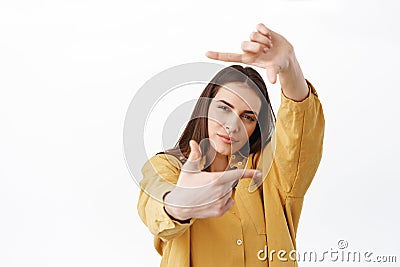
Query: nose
[(233, 123)]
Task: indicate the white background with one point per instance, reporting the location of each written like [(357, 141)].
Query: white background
[(69, 69)]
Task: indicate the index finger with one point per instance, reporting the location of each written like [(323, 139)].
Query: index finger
[(232, 175), (261, 28), (229, 57)]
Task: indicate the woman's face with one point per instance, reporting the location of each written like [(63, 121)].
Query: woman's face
[(232, 117)]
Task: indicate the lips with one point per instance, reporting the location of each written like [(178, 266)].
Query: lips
[(227, 139)]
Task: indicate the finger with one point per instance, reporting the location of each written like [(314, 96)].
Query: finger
[(255, 183), (215, 201), (252, 47), (227, 195), (208, 211), (235, 183), (264, 30), (229, 204), (228, 198), (195, 152), (229, 57), (260, 38), (272, 74), (232, 175), (193, 162), (224, 204)]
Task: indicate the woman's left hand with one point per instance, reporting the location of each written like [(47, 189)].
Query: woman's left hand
[(266, 49)]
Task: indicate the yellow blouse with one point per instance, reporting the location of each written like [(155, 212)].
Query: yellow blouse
[(260, 228)]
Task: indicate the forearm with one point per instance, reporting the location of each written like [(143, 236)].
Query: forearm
[(299, 140), (160, 224), (160, 173), (292, 80), (170, 212)]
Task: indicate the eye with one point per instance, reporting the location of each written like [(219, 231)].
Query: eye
[(249, 118), (225, 108)]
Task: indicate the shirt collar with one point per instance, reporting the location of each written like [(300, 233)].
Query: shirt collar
[(235, 161)]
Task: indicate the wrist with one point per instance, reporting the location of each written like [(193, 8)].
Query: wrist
[(170, 211), (290, 59), (291, 63), (292, 80)]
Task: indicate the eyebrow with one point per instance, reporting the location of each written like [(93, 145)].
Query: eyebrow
[(231, 106)]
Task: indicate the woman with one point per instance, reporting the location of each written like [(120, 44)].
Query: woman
[(187, 200)]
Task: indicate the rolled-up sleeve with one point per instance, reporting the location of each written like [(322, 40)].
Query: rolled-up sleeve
[(299, 141), (160, 174)]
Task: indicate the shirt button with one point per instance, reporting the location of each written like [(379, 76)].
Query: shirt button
[(233, 157), (239, 163), (239, 242)]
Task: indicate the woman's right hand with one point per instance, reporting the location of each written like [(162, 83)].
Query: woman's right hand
[(202, 194)]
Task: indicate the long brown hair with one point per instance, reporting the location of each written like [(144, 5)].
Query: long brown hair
[(197, 127)]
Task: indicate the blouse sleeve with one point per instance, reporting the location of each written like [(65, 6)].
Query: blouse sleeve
[(160, 174), (299, 139)]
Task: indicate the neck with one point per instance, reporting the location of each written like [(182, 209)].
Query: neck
[(219, 163)]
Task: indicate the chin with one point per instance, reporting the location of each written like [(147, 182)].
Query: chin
[(225, 153), (225, 149)]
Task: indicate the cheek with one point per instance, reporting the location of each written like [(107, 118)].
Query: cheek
[(249, 129), (212, 126), (217, 118)]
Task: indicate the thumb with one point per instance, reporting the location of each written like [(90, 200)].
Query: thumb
[(272, 74), (195, 152), (193, 162)]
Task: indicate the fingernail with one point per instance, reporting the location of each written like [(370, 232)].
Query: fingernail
[(258, 174), (265, 49)]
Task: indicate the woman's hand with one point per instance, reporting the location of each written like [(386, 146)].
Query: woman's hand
[(202, 194), (266, 49), (271, 51)]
